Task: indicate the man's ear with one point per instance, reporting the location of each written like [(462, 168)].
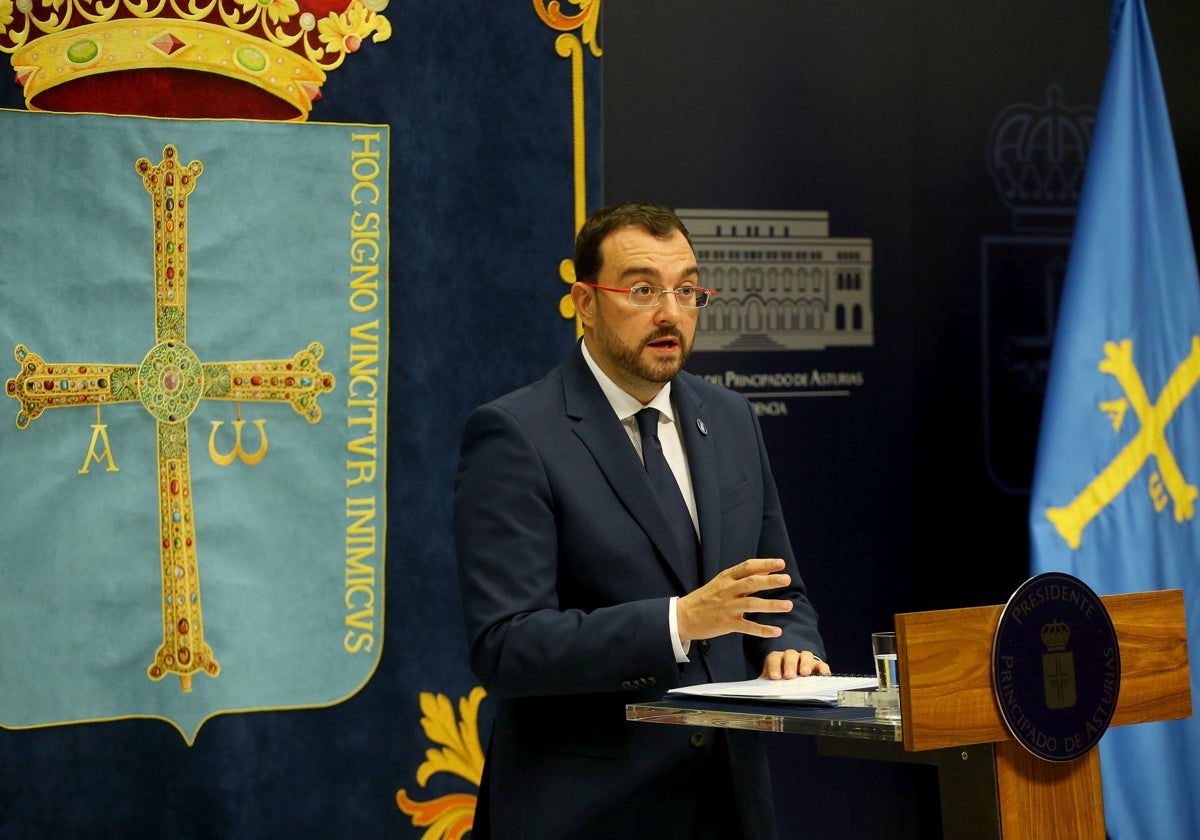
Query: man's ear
[(583, 299)]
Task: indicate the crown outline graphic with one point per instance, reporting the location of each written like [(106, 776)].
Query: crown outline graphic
[(1036, 156), (282, 47)]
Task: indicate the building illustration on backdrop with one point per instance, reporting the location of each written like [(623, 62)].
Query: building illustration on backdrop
[(783, 283)]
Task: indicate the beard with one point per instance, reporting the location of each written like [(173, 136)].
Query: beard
[(629, 358)]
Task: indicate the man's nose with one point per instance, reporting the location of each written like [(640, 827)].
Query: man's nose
[(669, 308)]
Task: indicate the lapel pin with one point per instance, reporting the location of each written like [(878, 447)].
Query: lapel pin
[(700, 425)]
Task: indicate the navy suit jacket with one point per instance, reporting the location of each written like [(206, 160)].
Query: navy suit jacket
[(566, 567)]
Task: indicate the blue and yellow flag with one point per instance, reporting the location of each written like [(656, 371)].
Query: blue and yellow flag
[(1118, 463)]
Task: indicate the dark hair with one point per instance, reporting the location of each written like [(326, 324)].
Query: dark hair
[(655, 219)]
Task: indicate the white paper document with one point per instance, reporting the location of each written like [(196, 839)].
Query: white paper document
[(812, 689)]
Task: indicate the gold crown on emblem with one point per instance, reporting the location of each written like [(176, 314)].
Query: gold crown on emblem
[(1055, 635), (282, 47)]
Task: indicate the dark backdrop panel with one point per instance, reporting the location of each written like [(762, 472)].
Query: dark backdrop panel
[(912, 493)]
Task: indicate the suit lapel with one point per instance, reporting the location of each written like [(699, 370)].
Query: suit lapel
[(597, 427), (699, 443)]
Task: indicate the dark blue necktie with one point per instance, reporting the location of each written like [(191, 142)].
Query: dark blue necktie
[(667, 488)]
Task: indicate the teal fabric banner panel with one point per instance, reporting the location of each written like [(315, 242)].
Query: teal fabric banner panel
[(195, 352)]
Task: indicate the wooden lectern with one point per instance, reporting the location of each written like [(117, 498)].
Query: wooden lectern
[(948, 700)]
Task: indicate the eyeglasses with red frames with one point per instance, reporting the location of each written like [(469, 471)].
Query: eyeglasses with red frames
[(691, 297)]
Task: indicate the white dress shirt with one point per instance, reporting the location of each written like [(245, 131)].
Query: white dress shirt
[(626, 408)]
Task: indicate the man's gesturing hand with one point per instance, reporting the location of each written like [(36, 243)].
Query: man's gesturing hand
[(720, 606)]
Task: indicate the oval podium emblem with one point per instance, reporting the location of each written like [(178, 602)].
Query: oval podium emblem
[(1056, 666)]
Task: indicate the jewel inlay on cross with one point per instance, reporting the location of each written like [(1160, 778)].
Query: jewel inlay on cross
[(170, 382)]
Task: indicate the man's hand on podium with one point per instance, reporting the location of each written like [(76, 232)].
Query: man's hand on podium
[(788, 664)]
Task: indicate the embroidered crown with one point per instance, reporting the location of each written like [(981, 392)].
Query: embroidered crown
[(186, 58)]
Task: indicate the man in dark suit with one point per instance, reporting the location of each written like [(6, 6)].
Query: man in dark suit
[(580, 598)]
